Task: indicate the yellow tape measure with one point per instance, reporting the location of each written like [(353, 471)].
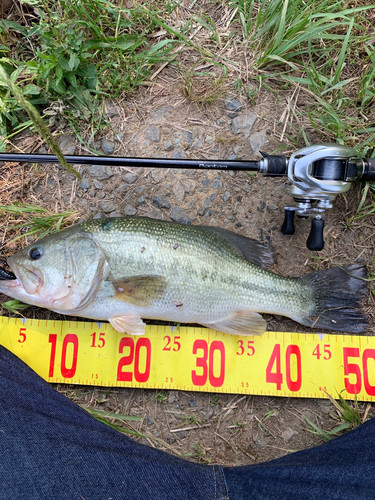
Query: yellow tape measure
[(195, 359)]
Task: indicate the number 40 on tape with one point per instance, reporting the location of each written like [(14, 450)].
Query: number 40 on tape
[(195, 359)]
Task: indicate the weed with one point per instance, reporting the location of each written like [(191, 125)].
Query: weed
[(102, 416), (214, 399), (192, 419), (80, 52), (32, 220), (15, 306), (347, 413), (203, 88), (161, 396)]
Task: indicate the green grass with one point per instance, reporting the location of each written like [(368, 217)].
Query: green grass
[(323, 47), (80, 52), (347, 414), (32, 220)]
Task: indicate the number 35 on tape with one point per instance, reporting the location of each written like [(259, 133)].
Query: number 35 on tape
[(195, 359)]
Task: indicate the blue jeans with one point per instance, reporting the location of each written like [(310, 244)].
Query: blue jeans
[(52, 449)]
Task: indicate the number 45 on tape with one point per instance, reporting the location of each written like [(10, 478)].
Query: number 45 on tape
[(195, 359)]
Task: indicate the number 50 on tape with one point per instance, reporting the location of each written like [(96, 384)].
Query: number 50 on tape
[(195, 359)]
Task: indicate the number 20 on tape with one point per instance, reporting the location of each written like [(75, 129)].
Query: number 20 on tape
[(195, 359)]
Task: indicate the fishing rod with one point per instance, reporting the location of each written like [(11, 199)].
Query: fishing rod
[(316, 174)]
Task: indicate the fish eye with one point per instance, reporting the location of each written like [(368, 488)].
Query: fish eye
[(35, 253)]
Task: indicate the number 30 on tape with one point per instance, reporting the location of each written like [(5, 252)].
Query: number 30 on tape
[(195, 359)]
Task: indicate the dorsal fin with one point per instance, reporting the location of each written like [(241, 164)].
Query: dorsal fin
[(248, 248)]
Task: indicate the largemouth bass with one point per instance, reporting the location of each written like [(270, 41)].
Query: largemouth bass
[(125, 269)]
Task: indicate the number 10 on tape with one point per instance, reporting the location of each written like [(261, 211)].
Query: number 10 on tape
[(195, 359)]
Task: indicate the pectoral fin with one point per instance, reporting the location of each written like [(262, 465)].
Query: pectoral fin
[(141, 291), (131, 324), (240, 323)]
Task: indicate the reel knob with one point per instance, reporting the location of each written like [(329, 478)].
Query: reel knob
[(315, 240), (288, 224)]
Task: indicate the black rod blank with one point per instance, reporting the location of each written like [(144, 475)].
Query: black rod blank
[(135, 162)]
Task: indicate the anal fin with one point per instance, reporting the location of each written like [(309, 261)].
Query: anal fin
[(131, 324), (240, 323)]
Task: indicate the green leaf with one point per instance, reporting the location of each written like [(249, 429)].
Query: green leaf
[(31, 89), (74, 62)]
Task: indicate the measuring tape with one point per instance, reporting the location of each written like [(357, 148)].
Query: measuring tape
[(299, 365)]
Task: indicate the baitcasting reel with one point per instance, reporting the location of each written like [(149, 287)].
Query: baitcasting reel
[(317, 174)]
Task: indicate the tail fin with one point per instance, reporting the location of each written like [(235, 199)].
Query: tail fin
[(338, 294)]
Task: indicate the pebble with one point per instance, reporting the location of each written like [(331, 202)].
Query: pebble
[(150, 420), (97, 184), (232, 157), (232, 115), (168, 146), (100, 172), (141, 200), (192, 403), (108, 146), (170, 438), (67, 144), (226, 196), (97, 216), (179, 192), (119, 137), (85, 184), (288, 434), (178, 215), (130, 178), (130, 210), (233, 105), (206, 182), (153, 133), (179, 155), (244, 123), (160, 201), (272, 206), (140, 189), (189, 186), (158, 115), (213, 196), (208, 214), (122, 189), (217, 185), (107, 206), (172, 397), (156, 175), (198, 142), (188, 137), (110, 108), (257, 141), (207, 203), (209, 139)]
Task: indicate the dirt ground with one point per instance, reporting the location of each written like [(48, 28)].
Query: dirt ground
[(160, 122)]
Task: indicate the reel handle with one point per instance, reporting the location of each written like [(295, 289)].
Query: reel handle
[(315, 240), (288, 224)]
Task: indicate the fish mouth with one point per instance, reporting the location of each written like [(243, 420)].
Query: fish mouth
[(30, 279)]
